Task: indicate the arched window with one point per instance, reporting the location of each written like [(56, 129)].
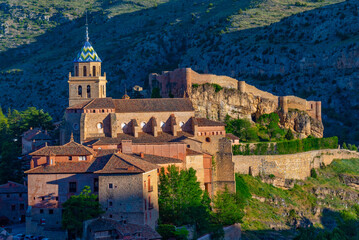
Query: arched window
[(80, 91), (181, 124), (162, 124), (88, 91), (85, 73), (143, 124), (76, 71), (123, 125), (99, 125), (94, 71)]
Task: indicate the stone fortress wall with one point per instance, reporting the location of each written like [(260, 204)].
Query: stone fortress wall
[(179, 83), (289, 166)]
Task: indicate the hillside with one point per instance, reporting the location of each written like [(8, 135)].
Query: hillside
[(322, 202), (305, 48)]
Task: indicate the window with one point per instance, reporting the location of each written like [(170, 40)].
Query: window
[(88, 91), (208, 139), (95, 184), (57, 198), (79, 91), (70, 158), (75, 126), (76, 71), (99, 125), (110, 215), (110, 185), (41, 210), (7, 195), (162, 124), (181, 124), (143, 124), (82, 158), (93, 71), (20, 194), (43, 198), (110, 203), (72, 187), (145, 205), (51, 211), (51, 161), (85, 71), (13, 207), (123, 125), (22, 206)]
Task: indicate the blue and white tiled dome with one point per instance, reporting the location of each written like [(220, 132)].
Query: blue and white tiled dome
[(87, 54)]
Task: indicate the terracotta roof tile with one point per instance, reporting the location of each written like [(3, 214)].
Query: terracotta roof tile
[(231, 136), (142, 138), (157, 159), (190, 152), (69, 149), (139, 105), (154, 105), (128, 229), (123, 163), (61, 167), (204, 122)]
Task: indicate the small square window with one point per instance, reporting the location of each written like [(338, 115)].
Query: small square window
[(110, 185), (43, 198), (20, 194), (7, 195), (57, 198), (51, 211), (41, 210), (110, 203), (13, 207), (70, 158), (22, 206)]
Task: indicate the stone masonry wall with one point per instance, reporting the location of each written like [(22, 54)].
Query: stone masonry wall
[(289, 166)]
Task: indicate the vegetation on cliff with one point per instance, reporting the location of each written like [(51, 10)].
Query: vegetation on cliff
[(322, 206)]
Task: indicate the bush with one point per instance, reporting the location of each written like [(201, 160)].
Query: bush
[(313, 173)]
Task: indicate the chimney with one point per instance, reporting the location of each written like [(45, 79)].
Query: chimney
[(126, 146), (142, 155)]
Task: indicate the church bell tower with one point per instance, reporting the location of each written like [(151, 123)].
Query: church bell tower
[(87, 82)]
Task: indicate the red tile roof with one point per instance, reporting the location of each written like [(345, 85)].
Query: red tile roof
[(190, 152), (123, 163), (231, 136), (142, 138), (157, 159), (70, 149), (204, 122), (139, 105)]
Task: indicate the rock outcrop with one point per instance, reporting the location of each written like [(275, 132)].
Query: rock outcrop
[(213, 104)]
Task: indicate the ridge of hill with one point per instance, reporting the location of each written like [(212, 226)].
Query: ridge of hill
[(306, 48)]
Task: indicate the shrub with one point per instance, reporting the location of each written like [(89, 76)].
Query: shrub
[(313, 173)]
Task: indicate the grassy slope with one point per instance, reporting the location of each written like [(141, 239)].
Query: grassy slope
[(128, 35), (282, 206)]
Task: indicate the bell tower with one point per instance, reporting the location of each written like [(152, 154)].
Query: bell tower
[(87, 82)]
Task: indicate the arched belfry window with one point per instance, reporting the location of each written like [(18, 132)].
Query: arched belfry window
[(79, 91), (88, 91), (85, 73), (94, 71), (76, 71)]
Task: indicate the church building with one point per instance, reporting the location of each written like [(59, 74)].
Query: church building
[(117, 146)]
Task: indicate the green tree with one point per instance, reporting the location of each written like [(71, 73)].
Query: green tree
[(289, 135), (79, 208), (345, 145), (156, 93), (226, 209)]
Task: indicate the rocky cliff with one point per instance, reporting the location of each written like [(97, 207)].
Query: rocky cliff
[(216, 104)]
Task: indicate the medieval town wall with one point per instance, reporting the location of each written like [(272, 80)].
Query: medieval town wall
[(289, 166)]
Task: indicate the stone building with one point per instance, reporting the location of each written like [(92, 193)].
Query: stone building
[(107, 228), (116, 146), (34, 139), (13, 201), (125, 183)]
